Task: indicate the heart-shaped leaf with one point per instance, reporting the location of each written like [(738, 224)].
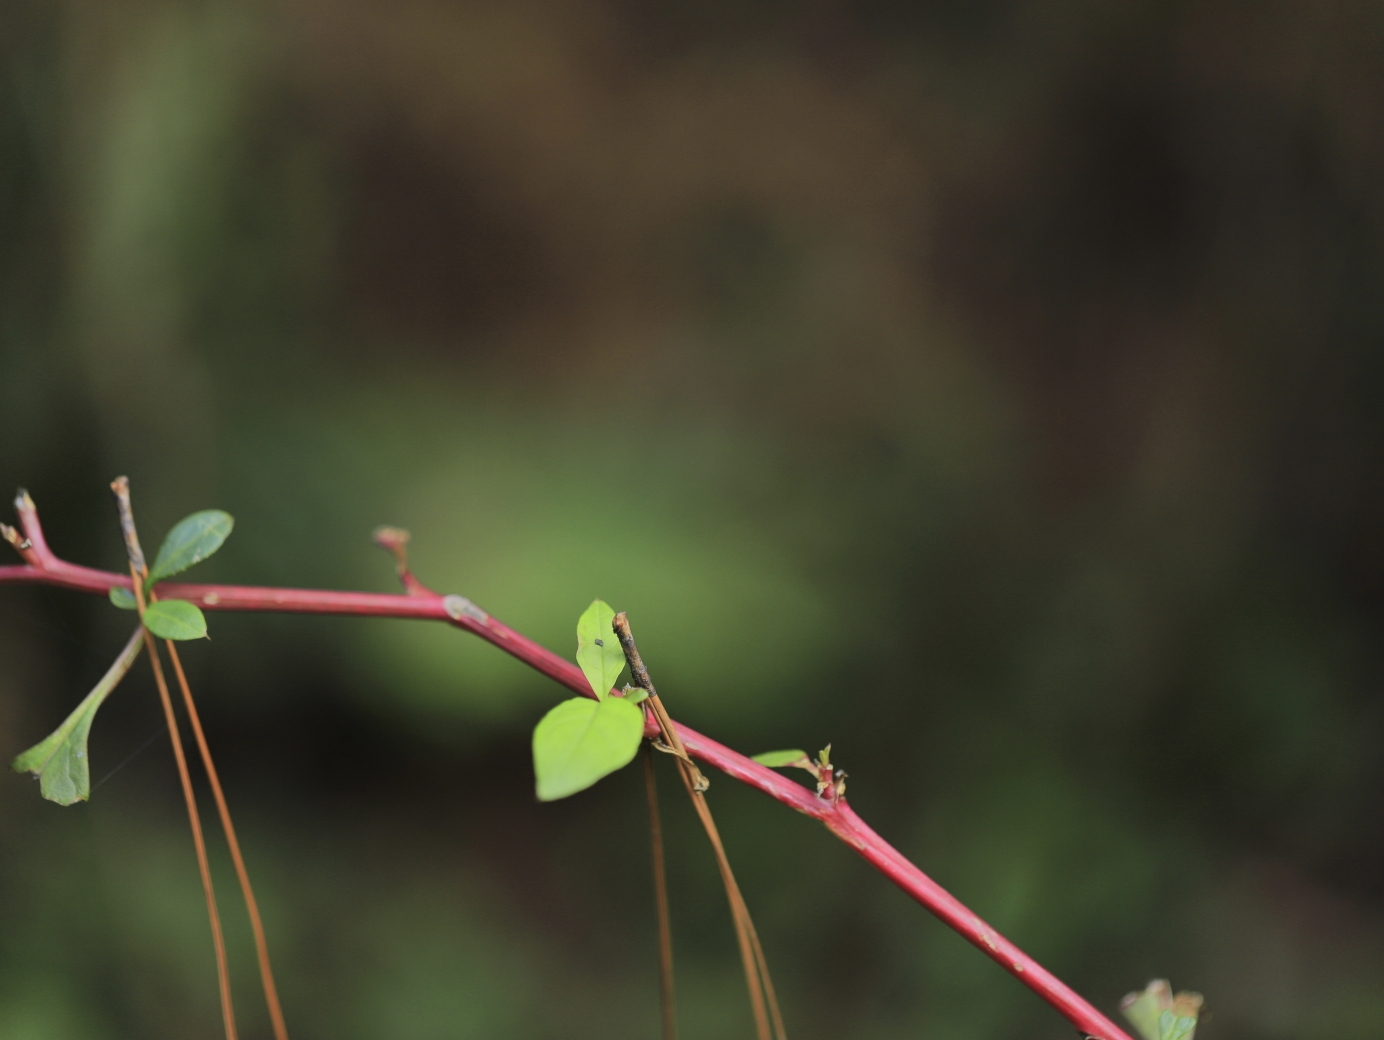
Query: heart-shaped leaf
[(191, 541), (60, 761), (582, 740), (123, 597), (598, 650), (175, 619), (779, 759)]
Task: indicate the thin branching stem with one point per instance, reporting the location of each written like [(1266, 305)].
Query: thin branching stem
[(42, 567)]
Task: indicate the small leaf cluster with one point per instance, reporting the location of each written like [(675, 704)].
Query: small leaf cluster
[(582, 740), (1158, 1015), (828, 777), (60, 760)]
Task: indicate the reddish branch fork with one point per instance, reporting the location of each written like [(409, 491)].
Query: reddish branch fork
[(42, 567)]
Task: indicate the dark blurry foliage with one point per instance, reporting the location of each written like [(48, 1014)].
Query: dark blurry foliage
[(996, 383)]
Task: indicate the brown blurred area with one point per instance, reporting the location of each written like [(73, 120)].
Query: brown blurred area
[(990, 389)]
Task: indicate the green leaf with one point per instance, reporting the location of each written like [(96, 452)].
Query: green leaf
[(779, 759), (582, 740), (60, 761), (1144, 1009), (1172, 1026), (1158, 1015), (122, 597), (175, 619), (598, 650), (191, 541)]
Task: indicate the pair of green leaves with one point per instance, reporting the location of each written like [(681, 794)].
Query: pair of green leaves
[(581, 740), (1158, 1015), (190, 542), (60, 760)]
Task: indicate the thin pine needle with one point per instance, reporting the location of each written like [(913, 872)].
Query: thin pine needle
[(271, 992), (223, 973), (665, 927), (763, 1000)]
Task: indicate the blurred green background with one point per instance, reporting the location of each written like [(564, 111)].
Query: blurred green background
[(991, 389)]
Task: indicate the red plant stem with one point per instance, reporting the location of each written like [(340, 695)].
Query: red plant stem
[(835, 813)]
